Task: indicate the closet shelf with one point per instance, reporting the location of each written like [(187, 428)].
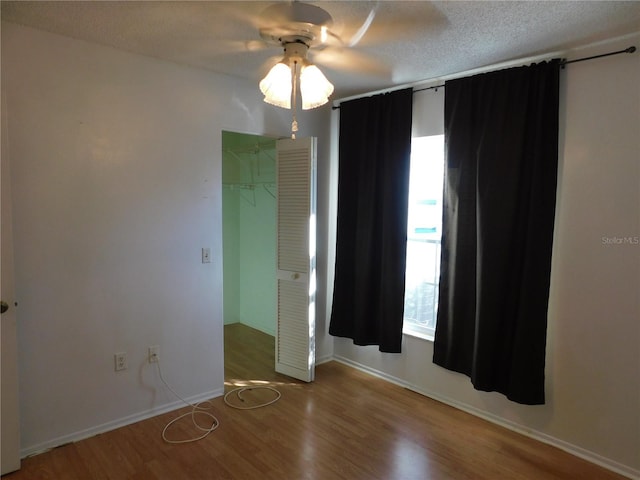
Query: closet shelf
[(249, 186)]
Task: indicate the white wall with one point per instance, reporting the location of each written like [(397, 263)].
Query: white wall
[(593, 354), (116, 174)]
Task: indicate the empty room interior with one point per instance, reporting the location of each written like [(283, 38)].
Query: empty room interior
[(390, 240)]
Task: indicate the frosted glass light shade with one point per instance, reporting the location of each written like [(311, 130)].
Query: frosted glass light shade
[(276, 86), (314, 87)]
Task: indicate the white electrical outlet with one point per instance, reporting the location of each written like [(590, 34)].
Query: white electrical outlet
[(154, 353), (120, 360)]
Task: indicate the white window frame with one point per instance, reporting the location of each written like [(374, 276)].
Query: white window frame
[(425, 237)]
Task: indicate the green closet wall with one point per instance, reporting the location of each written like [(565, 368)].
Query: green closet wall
[(249, 230)]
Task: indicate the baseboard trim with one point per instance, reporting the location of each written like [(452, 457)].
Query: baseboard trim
[(121, 422), (536, 435), (324, 359)]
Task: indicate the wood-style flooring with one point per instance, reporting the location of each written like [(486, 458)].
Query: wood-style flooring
[(345, 425)]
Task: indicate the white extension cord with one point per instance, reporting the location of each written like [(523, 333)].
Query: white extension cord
[(240, 390), (198, 409)]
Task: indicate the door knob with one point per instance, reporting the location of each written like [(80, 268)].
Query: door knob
[(4, 306)]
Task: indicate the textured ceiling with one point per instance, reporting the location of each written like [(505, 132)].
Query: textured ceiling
[(406, 41)]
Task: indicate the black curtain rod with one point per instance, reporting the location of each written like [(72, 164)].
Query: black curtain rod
[(631, 49)]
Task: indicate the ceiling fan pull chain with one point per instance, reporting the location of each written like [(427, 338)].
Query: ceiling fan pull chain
[(294, 93)]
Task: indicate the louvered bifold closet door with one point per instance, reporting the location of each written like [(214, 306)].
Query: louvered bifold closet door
[(295, 329)]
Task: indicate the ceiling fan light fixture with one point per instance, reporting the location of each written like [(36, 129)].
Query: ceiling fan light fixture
[(293, 70), (315, 89), (276, 86)]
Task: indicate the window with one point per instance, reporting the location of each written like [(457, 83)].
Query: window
[(424, 231)]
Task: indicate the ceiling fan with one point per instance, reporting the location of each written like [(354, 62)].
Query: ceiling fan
[(303, 30)]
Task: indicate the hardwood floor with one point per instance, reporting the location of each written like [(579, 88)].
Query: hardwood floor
[(345, 425)]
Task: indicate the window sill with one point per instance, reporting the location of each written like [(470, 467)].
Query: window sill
[(422, 336)]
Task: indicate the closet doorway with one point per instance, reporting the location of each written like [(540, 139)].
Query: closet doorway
[(249, 255)]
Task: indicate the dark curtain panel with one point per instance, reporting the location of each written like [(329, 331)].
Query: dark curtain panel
[(373, 186), (501, 134)]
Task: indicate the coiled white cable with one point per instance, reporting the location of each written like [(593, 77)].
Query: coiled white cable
[(239, 391), (196, 408)]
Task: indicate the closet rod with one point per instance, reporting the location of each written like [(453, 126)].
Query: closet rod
[(630, 49)]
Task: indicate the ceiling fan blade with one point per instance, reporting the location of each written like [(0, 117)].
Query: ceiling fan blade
[(334, 39), (295, 12), (240, 46), (355, 39), (348, 60), (374, 23)]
